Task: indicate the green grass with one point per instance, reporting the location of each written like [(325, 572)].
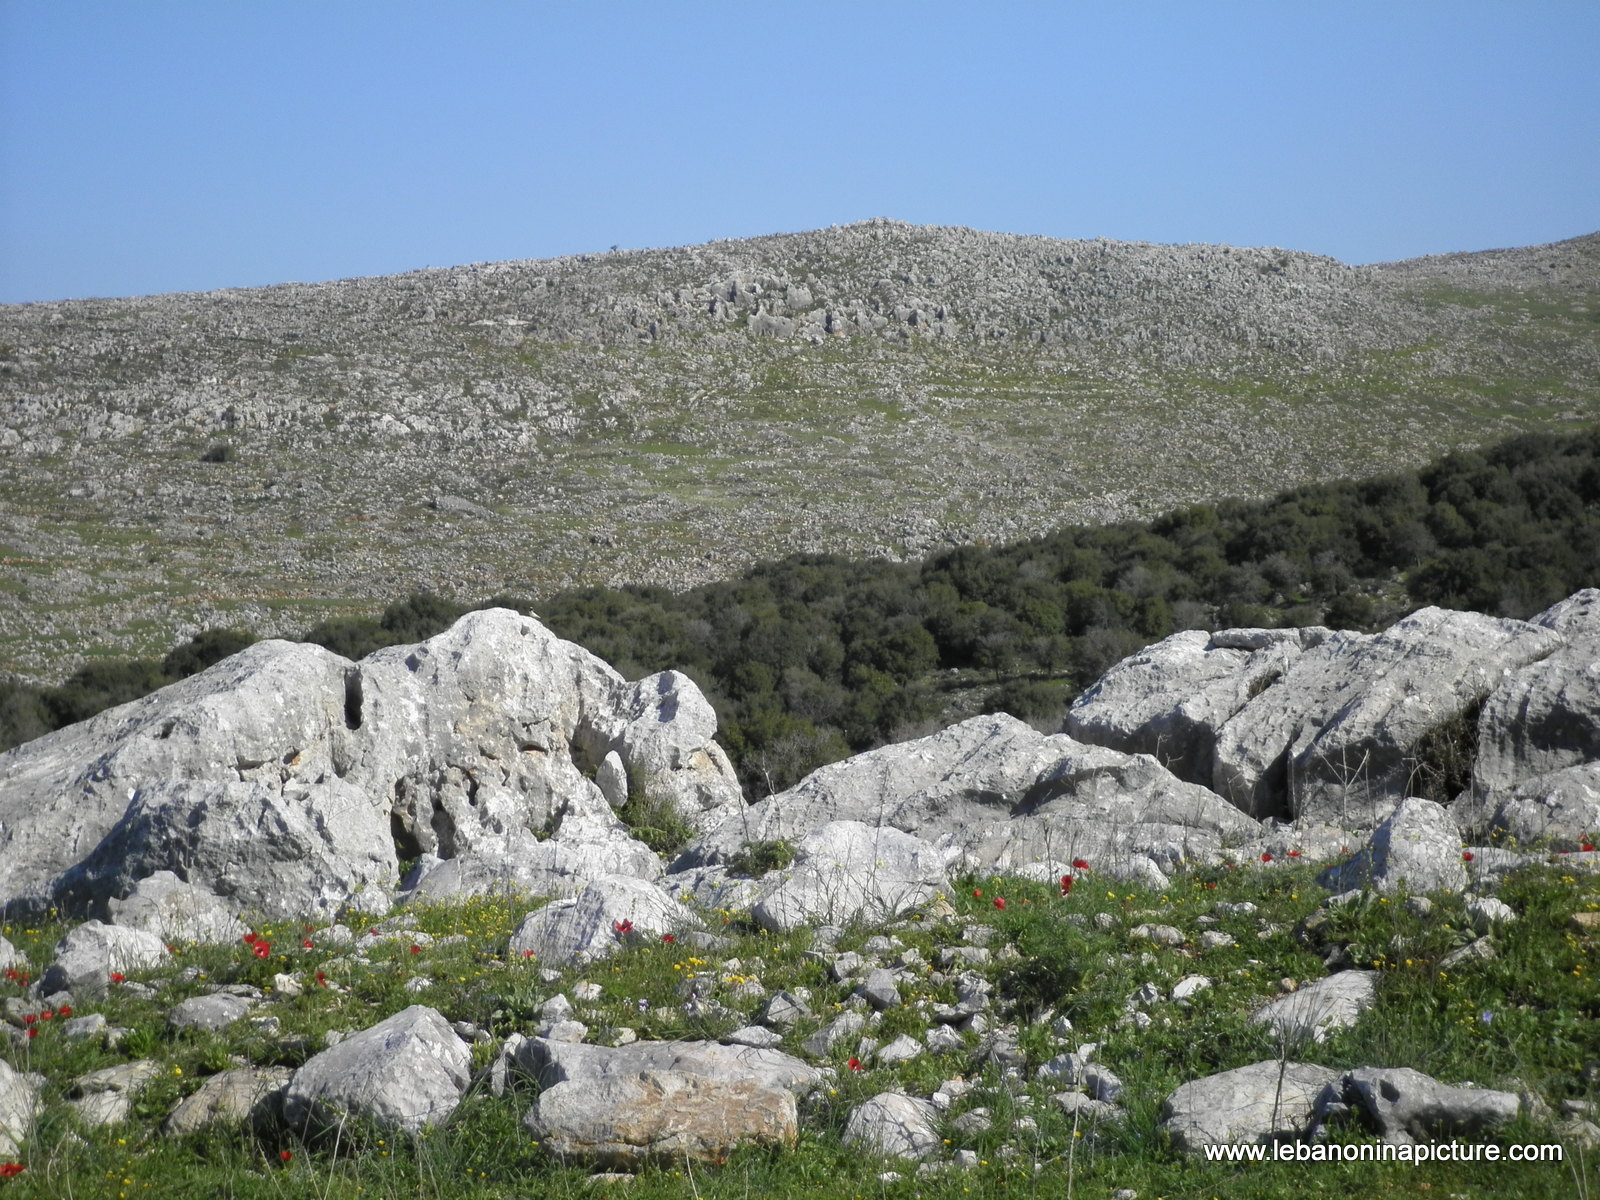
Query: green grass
[(1077, 959)]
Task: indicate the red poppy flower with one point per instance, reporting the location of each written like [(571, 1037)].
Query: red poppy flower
[(416, 949), (47, 1014), (1066, 884), (854, 1064), (668, 938), (64, 1011), (29, 1018), (1294, 854), (1466, 856), (372, 933), (1080, 864), (284, 1155), (1586, 847), (1265, 856), (977, 893), (118, 977), (622, 927), (307, 944), (1000, 902), (251, 938), (322, 979), (527, 954), (11, 1170), (263, 949), (32, 1032), (1212, 886)]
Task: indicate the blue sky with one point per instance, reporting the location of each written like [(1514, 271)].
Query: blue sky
[(166, 145)]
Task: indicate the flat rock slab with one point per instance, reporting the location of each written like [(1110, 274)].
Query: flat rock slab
[(660, 1116), (551, 1063), (176, 912), (1315, 1010), (250, 1094), (895, 1125), (1248, 1104), (406, 1072), (208, 1012)]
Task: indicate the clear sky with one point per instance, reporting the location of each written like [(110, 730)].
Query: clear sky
[(166, 145)]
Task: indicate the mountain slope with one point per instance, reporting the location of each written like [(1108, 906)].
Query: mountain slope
[(671, 415)]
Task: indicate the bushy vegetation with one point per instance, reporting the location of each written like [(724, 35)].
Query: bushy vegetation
[(1526, 1019), (813, 657)]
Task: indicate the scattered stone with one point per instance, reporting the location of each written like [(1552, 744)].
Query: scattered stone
[(784, 1010), (105, 1097), (1486, 912), (660, 1116), (209, 1013), (609, 912), (894, 1125), (903, 1049), (880, 990), (1314, 1010), (249, 1094), (1479, 951), (87, 957), (1162, 935), (407, 1072), (758, 1036), (19, 1101), (1189, 986)]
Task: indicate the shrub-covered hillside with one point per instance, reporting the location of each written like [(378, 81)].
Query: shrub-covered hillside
[(813, 657)]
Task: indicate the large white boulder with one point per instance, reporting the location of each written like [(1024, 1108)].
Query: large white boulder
[(1417, 849), (846, 872), (608, 914), (1249, 1104)]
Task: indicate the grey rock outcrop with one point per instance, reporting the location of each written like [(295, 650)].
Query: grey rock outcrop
[(1545, 717), (288, 780), (894, 1125), (1558, 811), (406, 1072), (623, 1122), (1172, 699), (1418, 848), (1405, 1106), (106, 1096), (995, 795), (1246, 1105), (1336, 737), (209, 1013), (610, 912)]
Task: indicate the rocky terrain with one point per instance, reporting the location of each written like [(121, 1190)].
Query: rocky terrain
[(263, 457), (290, 791)]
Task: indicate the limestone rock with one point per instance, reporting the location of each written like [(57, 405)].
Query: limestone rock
[(894, 1125), (846, 871), (10, 956), (1557, 811), (607, 913), (88, 955), (1406, 1106), (1246, 1105), (1418, 847), (247, 1095), (176, 912), (1336, 737), (1170, 700), (1312, 1011), (406, 1072), (1546, 716), (660, 1116), (209, 1013), (551, 1063), (105, 1097), (996, 795), (19, 1101)]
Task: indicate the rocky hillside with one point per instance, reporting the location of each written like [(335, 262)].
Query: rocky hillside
[(485, 899), (255, 457)]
